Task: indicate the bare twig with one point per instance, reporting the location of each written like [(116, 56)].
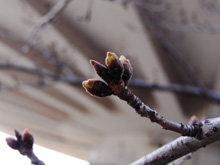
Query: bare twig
[(177, 88), (41, 72), (88, 15), (135, 83), (143, 5), (189, 27), (211, 6), (145, 111), (183, 145), (45, 20), (20, 86)]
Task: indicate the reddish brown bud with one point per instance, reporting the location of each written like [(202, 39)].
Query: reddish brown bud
[(101, 70), (97, 88), (128, 70), (12, 143), (115, 67), (27, 139), (18, 135)]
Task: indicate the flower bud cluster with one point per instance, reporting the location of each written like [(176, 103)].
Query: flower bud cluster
[(23, 142), (116, 74)]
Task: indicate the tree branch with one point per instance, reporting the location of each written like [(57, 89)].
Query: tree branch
[(143, 5), (183, 145), (135, 83), (45, 20), (42, 73), (177, 88), (116, 75)]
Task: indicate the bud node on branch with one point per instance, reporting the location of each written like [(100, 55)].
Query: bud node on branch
[(116, 75)]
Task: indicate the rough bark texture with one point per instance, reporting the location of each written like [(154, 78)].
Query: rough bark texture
[(183, 145), (145, 111)]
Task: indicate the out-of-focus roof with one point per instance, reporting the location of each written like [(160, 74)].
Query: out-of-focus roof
[(63, 116)]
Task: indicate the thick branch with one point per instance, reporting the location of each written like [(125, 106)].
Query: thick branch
[(183, 145)]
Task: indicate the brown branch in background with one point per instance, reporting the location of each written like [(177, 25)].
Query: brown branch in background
[(45, 20), (49, 54), (173, 52), (134, 83), (144, 5), (88, 15), (24, 144), (177, 88), (211, 6), (116, 74), (183, 145), (189, 27), (19, 86), (41, 72)]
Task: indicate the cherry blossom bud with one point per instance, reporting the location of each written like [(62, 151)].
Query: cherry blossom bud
[(115, 66), (12, 143), (128, 70), (101, 70), (18, 135), (27, 139), (97, 88)]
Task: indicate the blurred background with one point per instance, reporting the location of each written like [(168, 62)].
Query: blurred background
[(45, 48)]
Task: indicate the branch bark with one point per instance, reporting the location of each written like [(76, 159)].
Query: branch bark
[(183, 145)]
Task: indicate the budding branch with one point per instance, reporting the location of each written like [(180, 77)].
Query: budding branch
[(116, 74)]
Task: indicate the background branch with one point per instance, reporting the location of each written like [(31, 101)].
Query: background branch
[(134, 83), (45, 20)]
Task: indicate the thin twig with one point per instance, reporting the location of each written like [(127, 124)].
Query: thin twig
[(177, 88), (212, 7), (143, 5), (42, 73), (45, 20), (189, 27), (135, 83)]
